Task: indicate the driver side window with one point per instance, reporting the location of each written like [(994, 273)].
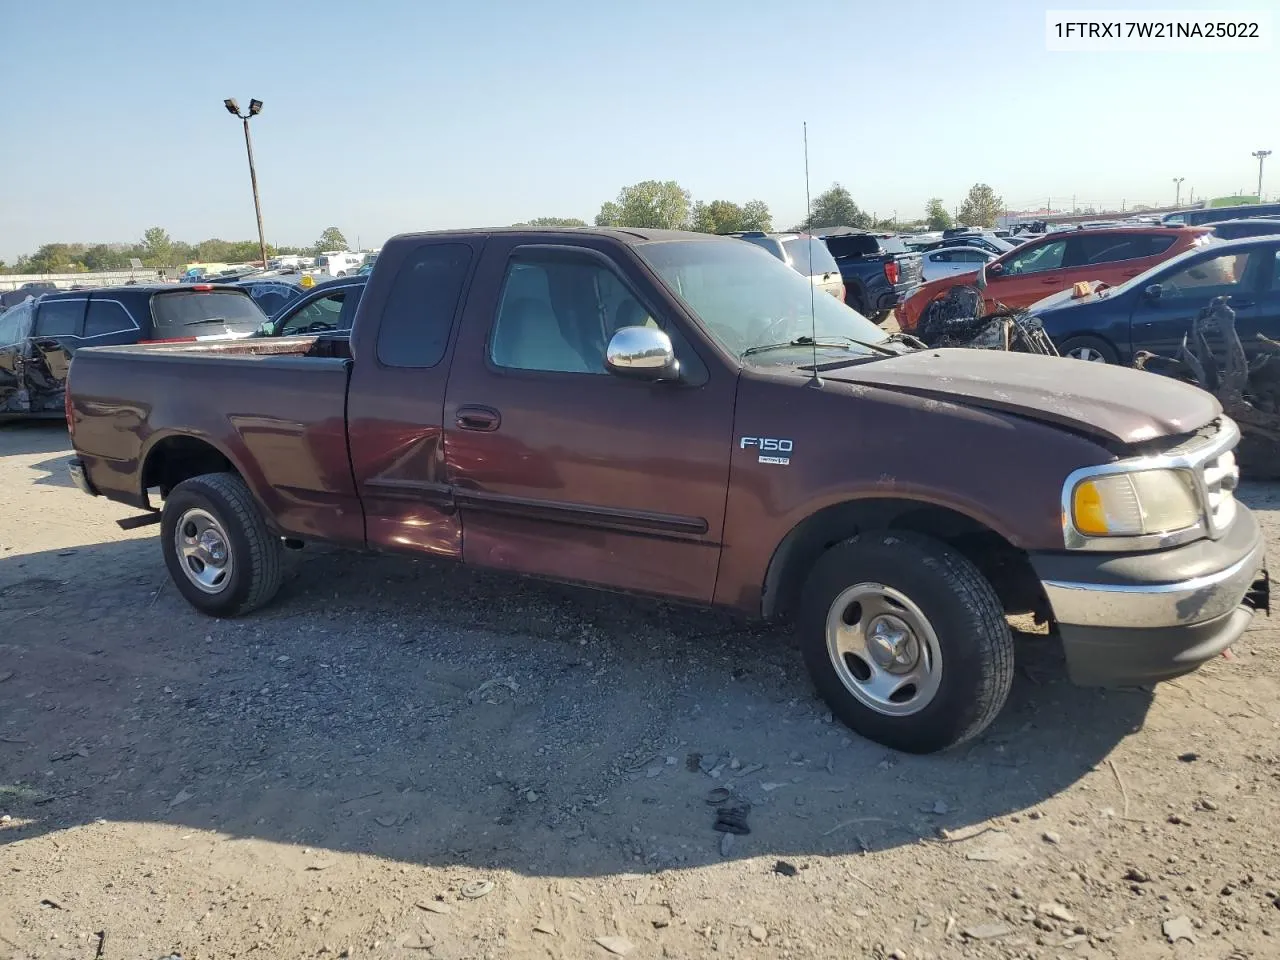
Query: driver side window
[(317, 316), (1042, 258)]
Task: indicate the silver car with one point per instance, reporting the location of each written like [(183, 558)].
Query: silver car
[(806, 255), (950, 261)]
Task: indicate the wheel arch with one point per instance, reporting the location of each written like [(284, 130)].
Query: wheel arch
[(1004, 564), (173, 457)]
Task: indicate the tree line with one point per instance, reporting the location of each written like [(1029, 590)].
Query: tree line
[(157, 249), (664, 204), (653, 204)]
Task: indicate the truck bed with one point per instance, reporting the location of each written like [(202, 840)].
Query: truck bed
[(211, 397)]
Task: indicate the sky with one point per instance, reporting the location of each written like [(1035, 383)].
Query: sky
[(389, 116)]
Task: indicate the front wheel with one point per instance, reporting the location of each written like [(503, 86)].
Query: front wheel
[(906, 641), (1091, 349), (219, 552)]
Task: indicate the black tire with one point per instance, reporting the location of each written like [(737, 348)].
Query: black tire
[(255, 569), (975, 647), (880, 317), (857, 299), (1102, 352)]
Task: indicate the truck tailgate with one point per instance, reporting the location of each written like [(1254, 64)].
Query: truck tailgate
[(910, 268), (279, 418)]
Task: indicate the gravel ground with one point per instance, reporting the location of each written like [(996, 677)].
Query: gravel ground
[(403, 759)]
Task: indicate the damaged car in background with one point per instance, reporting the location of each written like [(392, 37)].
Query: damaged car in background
[(39, 337)]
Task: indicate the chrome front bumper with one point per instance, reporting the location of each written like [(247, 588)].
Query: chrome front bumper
[(1155, 604), (1140, 618)]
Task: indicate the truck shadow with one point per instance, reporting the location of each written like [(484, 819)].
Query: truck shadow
[(436, 715)]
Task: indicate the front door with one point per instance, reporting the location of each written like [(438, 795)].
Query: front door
[(1159, 324), (559, 467), (1028, 275)]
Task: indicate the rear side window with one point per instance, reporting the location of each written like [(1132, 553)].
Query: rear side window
[(188, 311), (59, 318), (419, 311), (767, 243), (854, 245), (105, 317), (1112, 247), (810, 256)]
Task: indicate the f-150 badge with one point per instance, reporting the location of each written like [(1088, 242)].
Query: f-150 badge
[(772, 449)]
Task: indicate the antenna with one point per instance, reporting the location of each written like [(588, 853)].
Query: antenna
[(808, 219)]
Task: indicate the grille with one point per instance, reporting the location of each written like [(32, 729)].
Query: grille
[(1220, 477)]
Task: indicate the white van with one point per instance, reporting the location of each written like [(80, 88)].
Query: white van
[(339, 263)]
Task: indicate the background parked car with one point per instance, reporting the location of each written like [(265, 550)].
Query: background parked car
[(33, 288), (877, 269), (805, 254), (1221, 214), (984, 241), (1254, 227), (271, 294), (325, 308), (950, 261), (1153, 311), (1056, 261), (38, 338)]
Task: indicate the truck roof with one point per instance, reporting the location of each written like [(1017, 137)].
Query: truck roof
[(141, 289), (628, 235)]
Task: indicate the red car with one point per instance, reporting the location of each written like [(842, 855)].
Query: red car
[(1057, 261)]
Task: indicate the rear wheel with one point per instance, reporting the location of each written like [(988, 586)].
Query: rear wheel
[(857, 299), (219, 552), (906, 641), (1090, 349)]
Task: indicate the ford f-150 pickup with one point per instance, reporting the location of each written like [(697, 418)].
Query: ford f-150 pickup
[(675, 415)]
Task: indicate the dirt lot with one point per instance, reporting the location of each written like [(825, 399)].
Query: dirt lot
[(400, 759)]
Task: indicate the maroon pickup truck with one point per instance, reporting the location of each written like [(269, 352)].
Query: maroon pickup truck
[(674, 415)]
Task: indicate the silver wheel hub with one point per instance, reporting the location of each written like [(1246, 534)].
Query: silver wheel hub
[(1087, 354), (884, 649), (204, 550)]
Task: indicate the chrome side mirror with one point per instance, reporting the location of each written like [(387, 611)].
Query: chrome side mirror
[(642, 353)]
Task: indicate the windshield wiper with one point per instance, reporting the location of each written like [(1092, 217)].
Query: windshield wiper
[(914, 342), (194, 323), (841, 341)]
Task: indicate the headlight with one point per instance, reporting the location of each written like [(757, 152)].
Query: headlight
[(1135, 504)]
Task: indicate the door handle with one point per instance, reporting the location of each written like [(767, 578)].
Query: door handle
[(483, 419), (1052, 280)]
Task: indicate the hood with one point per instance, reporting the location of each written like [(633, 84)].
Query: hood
[(1115, 404), (1067, 298)]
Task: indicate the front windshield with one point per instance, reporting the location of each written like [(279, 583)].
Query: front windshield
[(746, 297)]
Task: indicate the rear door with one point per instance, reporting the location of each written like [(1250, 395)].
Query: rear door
[(58, 328), (1242, 274), (396, 398), (1113, 257)]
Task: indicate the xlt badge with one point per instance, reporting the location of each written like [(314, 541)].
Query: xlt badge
[(772, 449)]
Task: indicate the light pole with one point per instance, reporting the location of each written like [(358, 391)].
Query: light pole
[(1177, 187), (255, 108), (1261, 155)]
